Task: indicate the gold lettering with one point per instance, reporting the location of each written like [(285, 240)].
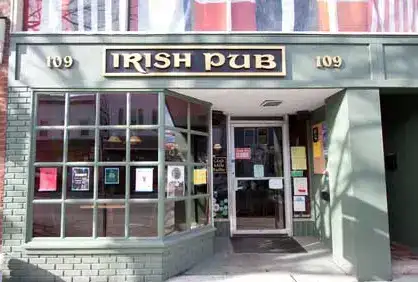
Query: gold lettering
[(133, 59), (209, 63), (163, 60), (147, 60), (233, 62), (187, 60), (115, 60), (265, 62)]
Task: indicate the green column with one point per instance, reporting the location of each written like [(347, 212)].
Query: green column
[(359, 216)]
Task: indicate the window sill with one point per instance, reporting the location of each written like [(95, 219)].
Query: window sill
[(80, 246)]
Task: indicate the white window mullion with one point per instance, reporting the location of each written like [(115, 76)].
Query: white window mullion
[(108, 15), (123, 15), (80, 14)]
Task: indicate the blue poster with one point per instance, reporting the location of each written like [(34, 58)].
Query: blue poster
[(111, 175)]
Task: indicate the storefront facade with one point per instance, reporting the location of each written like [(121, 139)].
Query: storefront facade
[(127, 153)]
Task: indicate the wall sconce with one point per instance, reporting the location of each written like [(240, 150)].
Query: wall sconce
[(217, 147), (114, 139)]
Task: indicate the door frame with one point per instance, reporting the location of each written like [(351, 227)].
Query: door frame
[(284, 125)]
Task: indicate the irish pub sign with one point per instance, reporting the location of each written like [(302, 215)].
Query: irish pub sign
[(200, 60)]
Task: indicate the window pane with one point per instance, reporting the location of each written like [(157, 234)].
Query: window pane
[(144, 145), (82, 109), (143, 107), (176, 181), (79, 220), (176, 146), (46, 220), (112, 182), (49, 145), (80, 145), (144, 182), (199, 117), (200, 180), (113, 109), (175, 217), (200, 212), (51, 109), (199, 147), (112, 145), (111, 220), (48, 182), (176, 112), (80, 182), (144, 220)]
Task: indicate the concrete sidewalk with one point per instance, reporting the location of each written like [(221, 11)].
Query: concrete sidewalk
[(314, 266)]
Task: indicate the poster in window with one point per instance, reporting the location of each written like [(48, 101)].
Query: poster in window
[(299, 204), (200, 176), (243, 153), (144, 179), (298, 157), (48, 179), (300, 186), (219, 164), (318, 148), (258, 170), (111, 175), (80, 180), (175, 181)]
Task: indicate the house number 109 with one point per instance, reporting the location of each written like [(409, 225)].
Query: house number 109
[(329, 62), (59, 62)]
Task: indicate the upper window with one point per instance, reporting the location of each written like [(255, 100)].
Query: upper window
[(173, 16)]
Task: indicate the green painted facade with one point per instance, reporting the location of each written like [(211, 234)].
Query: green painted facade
[(354, 223)]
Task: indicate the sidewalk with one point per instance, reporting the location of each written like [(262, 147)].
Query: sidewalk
[(314, 266)]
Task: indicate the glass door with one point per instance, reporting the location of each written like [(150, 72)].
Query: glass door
[(258, 184)]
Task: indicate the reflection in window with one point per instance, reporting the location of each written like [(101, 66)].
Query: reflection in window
[(199, 147), (200, 212), (50, 109), (111, 220), (79, 220), (199, 117), (144, 145), (176, 112), (175, 145), (175, 217), (112, 145), (113, 109), (46, 220), (49, 146), (80, 145), (82, 109), (144, 105), (143, 220)]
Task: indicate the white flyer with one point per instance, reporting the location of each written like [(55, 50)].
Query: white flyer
[(144, 178)]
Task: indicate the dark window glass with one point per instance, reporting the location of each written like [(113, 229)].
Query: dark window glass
[(176, 146), (200, 212), (46, 220), (144, 105), (82, 109), (176, 181), (112, 182), (111, 220), (200, 180), (80, 182), (49, 146), (144, 219), (199, 117), (48, 182), (112, 145), (113, 109), (79, 220), (175, 217), (80, 146), (176, 112), (144, 145), (51, 109), (144, 182), (199, 148)]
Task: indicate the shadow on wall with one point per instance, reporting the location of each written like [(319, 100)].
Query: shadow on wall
[(19, 269)]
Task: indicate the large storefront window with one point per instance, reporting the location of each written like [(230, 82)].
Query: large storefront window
[(163, 16), (105, 166)]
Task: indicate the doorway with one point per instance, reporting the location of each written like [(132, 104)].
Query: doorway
[(259, 173)]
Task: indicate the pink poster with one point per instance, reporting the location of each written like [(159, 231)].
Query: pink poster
[(243, 153), (48, 179)]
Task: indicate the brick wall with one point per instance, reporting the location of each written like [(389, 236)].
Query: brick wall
[(4, 12)]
